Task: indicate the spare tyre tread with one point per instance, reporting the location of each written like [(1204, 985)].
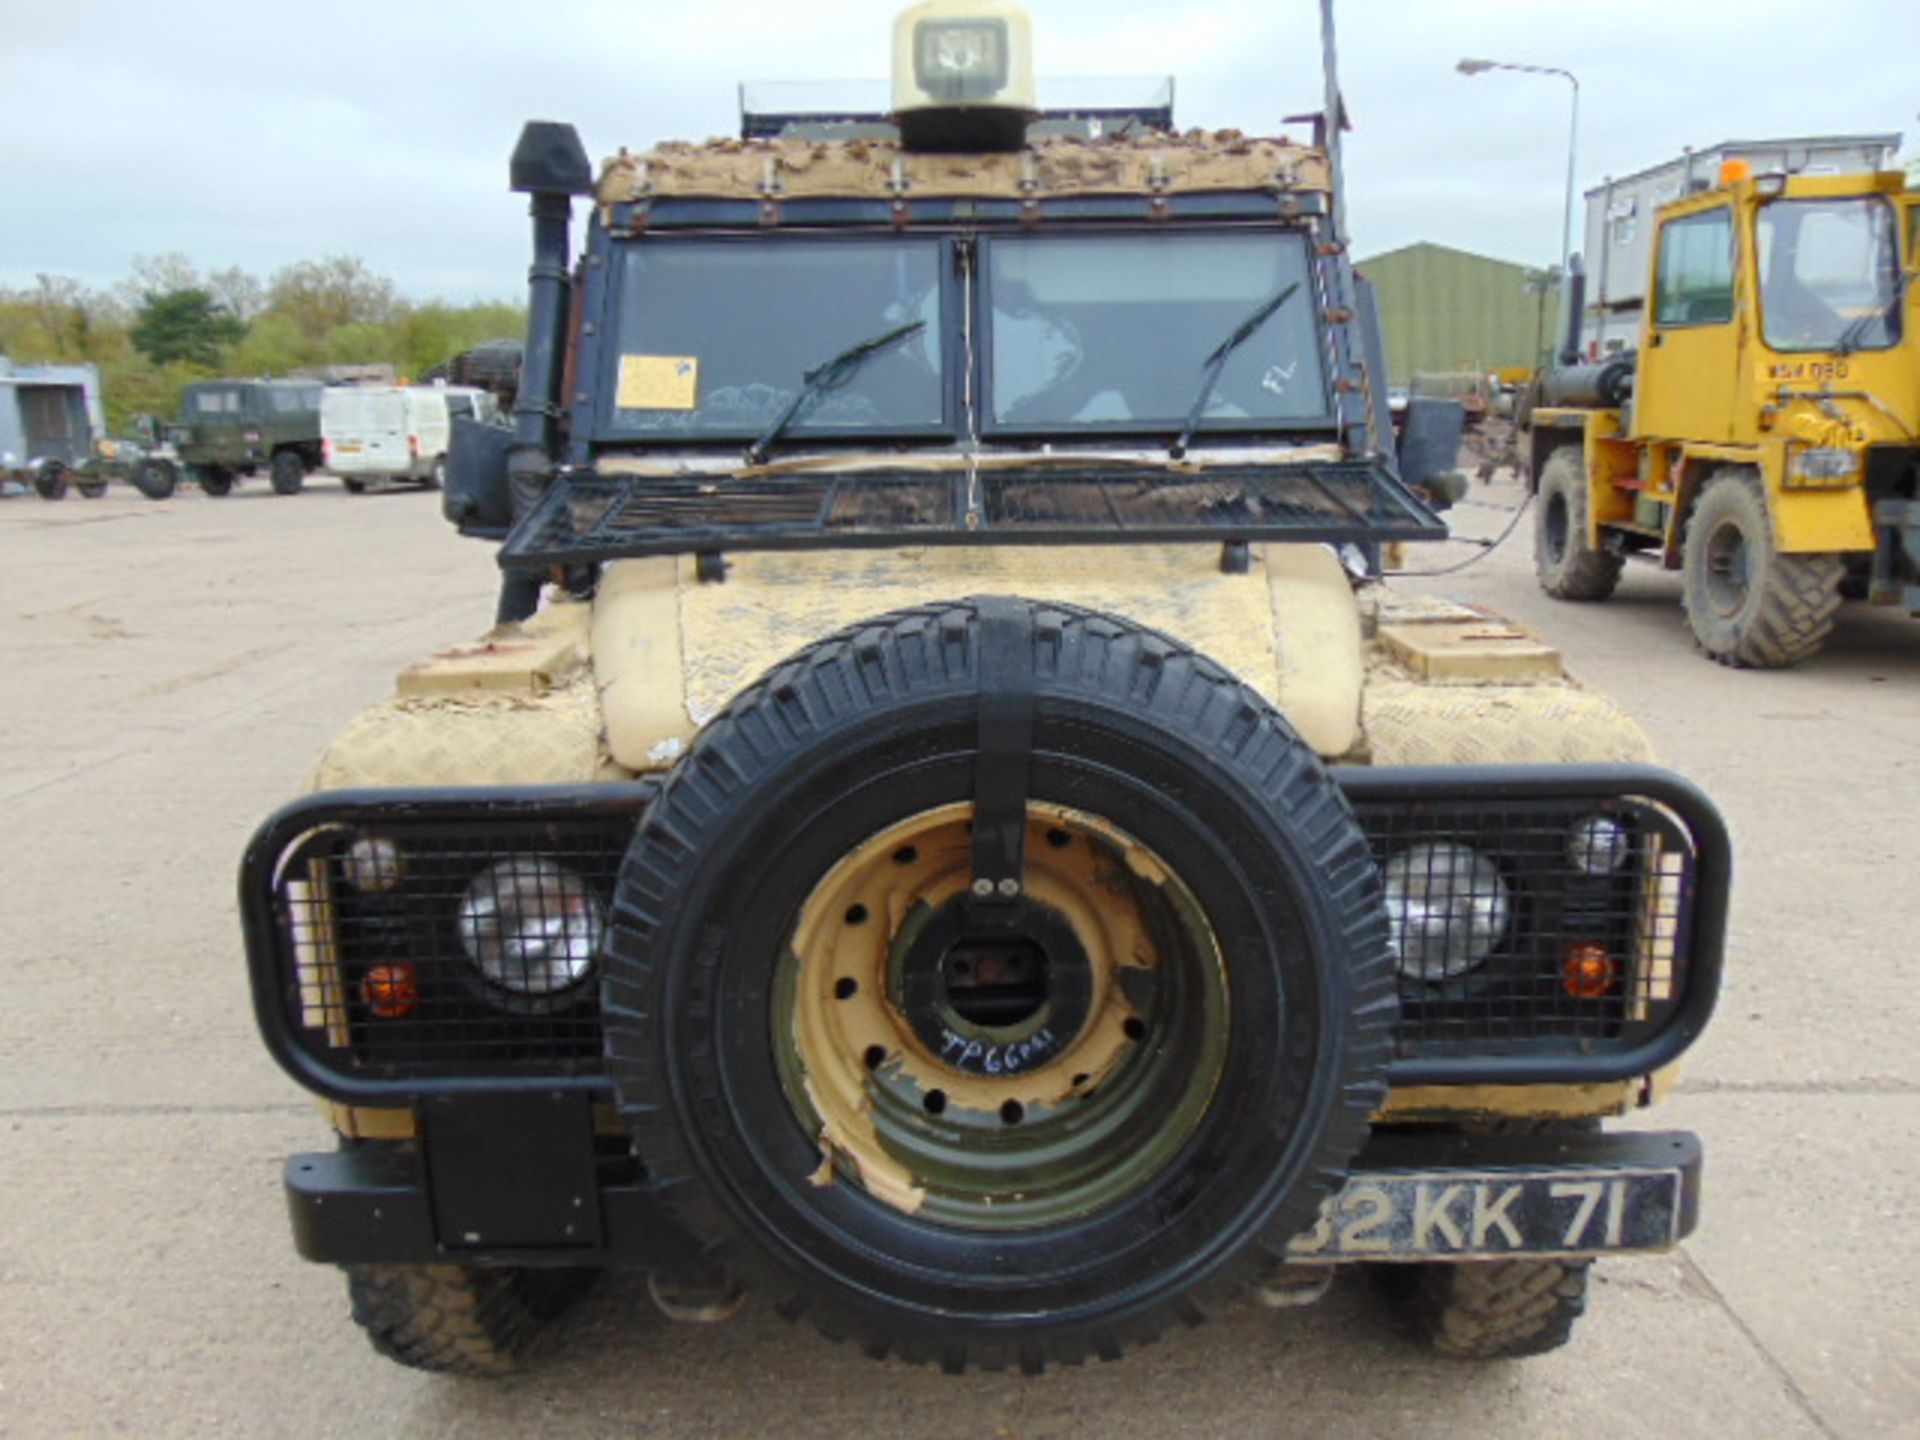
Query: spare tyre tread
[(928, 652)]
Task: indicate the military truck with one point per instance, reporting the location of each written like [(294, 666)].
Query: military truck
[(948, 837), (229, 429)]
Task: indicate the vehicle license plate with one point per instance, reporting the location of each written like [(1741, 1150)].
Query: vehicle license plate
[(1449, 1214)]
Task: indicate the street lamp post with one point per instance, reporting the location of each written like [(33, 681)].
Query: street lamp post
[(1480, 67)]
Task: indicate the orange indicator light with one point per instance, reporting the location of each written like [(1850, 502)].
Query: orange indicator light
[(391, 990), (1588, 970)]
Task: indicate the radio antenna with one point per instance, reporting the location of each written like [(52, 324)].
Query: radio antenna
[(1333, 121)]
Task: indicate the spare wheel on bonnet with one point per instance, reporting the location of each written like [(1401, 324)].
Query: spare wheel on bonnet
[(993, 982)]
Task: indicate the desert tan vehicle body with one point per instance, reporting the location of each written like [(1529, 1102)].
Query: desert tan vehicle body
[(982, 876), (617, 687)]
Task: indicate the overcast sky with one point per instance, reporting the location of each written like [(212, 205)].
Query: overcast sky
[(257, 133)]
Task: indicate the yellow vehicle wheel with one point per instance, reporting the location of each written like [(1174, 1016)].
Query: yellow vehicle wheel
[(1567, 566), (1748, 604)]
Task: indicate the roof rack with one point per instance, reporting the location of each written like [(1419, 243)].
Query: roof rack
[(1081, 107)]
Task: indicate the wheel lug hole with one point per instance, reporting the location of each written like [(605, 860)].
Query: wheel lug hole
[(875, 1057), (1059, 839), (906, 855), (1135, 1028), (935, 1102), (1012, 1113), (856, 915), (845, 988)]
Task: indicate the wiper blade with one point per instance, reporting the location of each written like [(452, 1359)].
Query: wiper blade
[(1218, 359), (1857, 327), (828, 375), (1856, 330)]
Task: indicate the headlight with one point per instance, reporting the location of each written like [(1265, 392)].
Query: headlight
[(373, 864), (531, 926), (1823, 465), (1447, 907), (1599, 845)]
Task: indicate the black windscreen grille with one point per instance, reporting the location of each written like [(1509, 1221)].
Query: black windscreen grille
[(1529, 922), (587, 517), (1211, 501), (421, 952)]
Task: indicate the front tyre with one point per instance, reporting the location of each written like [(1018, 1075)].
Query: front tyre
[(1567, 567), (1747, 603), (459, 1319), (1494, 1309), (997, 1140), (155, 479), (50, 481)]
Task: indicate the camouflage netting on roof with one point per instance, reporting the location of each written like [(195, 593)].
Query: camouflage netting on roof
[(1196, 161)]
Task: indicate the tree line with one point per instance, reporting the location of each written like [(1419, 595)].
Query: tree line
[(170, 323)]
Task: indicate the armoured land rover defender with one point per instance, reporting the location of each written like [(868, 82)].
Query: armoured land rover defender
[(233, 428), (952, 849)]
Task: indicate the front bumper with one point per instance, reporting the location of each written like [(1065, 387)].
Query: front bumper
[(540, 1198)]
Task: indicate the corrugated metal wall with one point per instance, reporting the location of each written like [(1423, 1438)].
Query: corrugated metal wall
[(1446, 310)]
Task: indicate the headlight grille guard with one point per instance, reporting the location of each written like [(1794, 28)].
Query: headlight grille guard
[(1512, 1025)]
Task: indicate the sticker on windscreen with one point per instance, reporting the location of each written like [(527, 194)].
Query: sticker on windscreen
[(658, 382)]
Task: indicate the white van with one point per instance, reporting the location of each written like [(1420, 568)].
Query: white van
[(374, 434)]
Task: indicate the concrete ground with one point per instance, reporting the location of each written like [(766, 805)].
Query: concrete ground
[(172, 668)]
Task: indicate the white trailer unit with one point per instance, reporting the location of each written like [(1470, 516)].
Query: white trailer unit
[(1619, 221), (376, 434)]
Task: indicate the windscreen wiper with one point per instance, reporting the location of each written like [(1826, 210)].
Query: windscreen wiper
[(1218, 359), (1856, 330), (829, 375)]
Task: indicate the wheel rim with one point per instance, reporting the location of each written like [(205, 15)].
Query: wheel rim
[(1729, 561), (1002, 1080)]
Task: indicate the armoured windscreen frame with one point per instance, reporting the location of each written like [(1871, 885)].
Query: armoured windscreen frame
[(1658, 927)]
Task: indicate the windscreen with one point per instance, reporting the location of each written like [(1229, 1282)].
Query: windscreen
[(1117, 332), (1829, 275), (716, 337)]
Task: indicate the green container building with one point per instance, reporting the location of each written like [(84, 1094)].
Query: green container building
[(1446, 311)]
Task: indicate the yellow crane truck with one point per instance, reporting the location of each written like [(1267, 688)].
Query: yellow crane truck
[(1765, 438)]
